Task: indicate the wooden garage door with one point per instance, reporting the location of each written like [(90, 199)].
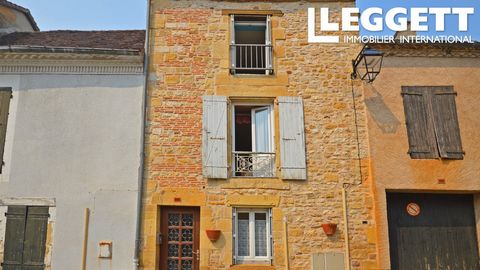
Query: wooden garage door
[(432, 231)]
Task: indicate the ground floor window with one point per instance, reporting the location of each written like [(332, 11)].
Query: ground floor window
[(25, 237), (252, 235)]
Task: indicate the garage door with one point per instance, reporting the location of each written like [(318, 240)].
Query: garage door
[(432, 231)]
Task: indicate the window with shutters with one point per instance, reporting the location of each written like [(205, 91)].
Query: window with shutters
[(252, 236), (252, 143), (25, 237), (250, 45), (432, 122), (253, 147), (5, 96)]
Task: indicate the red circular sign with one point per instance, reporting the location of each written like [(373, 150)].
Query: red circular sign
[(413, 209)]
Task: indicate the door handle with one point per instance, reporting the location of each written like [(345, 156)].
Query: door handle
[(159, 238)]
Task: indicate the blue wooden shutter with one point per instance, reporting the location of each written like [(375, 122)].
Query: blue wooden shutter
[(215, 137), (292, 138)]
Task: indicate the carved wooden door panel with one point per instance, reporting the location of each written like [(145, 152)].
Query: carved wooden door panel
[(180, 238)]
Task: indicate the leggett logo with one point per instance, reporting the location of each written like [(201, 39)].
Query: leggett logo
[(396, 19)]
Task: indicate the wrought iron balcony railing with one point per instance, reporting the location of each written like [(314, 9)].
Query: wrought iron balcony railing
[(253, 164), (251, 58)]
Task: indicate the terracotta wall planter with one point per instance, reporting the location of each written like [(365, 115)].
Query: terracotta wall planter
[(213, 235), (329, 228)]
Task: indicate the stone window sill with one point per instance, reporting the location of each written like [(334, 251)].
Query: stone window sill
[(252, 267), (258, 183)]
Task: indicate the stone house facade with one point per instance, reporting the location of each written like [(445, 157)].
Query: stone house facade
[(256, 139)]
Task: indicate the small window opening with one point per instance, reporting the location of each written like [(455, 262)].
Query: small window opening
[(251, 51)]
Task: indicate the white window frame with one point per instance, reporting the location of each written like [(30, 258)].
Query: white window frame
[(252, 258), (272, 123), (271, 119), (268, 42), (270, 127)]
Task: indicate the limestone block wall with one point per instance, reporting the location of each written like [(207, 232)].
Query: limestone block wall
[(190, 58)]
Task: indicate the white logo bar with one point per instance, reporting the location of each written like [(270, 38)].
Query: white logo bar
[(372, 19)]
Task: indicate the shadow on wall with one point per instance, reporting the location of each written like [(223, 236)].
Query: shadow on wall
[(381, 114)]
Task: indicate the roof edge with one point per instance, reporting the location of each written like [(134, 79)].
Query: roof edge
[(78, 50), (463, 50), (474, 44)]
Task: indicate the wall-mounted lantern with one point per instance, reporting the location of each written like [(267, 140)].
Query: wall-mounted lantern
[(367, 65)]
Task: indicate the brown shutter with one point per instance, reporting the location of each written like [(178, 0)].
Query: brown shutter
[(420, 128), (35, 238), (5, 95), (14, 236), (25, 238), (447, 130)]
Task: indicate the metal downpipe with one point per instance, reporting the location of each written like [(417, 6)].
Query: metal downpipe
[(138, 225)]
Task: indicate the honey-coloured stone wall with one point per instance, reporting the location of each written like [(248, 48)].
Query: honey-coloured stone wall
[(189, 45)]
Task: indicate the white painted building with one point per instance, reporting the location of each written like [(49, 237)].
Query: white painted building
[(72, 148), (14, 18)]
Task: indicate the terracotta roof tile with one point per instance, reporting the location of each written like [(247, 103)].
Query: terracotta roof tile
[(121, 39)]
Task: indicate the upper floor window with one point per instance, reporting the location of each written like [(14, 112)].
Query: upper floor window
[(432, 122), (250, 45), (251, 139), (253, 148)]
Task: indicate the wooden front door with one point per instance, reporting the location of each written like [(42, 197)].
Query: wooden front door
[(432, 231), (180, 238)]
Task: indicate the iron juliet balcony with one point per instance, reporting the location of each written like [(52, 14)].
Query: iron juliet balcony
[(253, 164)]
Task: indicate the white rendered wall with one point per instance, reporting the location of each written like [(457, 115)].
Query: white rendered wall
[(75, 140)]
